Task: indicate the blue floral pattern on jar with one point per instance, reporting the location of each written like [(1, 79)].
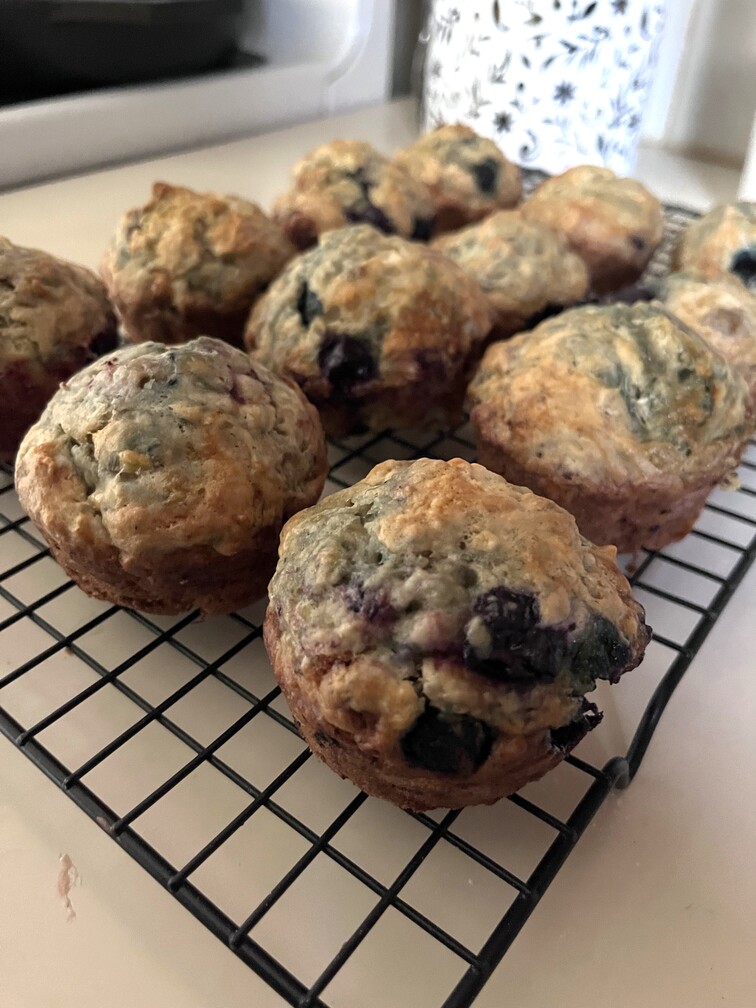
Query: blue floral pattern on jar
[(555, 82)]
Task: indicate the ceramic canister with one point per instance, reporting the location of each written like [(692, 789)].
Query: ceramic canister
[(555, 82)]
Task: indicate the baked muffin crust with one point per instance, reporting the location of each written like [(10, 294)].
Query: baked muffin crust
[(55, 317), (723, 311), (377, 331), (160, 476), (467, 175), (191, 264), (621, 414), (350, 182), (524, 268), (614, 224), (434, 630), (722, 241)]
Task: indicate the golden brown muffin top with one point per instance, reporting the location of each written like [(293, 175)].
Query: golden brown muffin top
[(156, 448), (194, 251), (521, 265), (600, 214), (48, 308), (350, 182), (466, 174), (363, 310), (721, 310), (722, 241), (611, 395), (439, 583)]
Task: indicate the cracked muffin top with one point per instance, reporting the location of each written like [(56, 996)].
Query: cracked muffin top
[(613, 223), (523, 267), (723, 311), (350, 182), (188, 264), (722, 241), (436, 605), (467, 175), (158, 448), (613, 395), (363, 316), (50, 310)]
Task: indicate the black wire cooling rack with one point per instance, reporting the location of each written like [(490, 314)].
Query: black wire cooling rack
[(147, 723)]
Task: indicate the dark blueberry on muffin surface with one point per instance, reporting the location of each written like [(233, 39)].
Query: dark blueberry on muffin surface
[(447, 743), (743, 265), (485, 174), (346, 362)]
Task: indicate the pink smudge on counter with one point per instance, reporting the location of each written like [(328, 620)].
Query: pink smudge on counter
[(68, 877)]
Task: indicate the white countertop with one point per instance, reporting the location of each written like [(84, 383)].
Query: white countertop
[(656, 905)]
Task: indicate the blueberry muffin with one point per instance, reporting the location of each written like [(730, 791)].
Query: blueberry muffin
[(721, 310), (722, 241), (376, 330), (525, 269), (621, 414), (54, 319), (350, 182), (467, 175), (614, 224), (161, 476), (191, 264), (434, 630)]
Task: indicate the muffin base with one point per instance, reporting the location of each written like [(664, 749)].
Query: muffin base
[(383, 772), (174, 582), (643, 518), (168, 325)]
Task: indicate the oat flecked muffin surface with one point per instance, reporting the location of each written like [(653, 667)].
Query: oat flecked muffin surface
[(614, 224), (434, 630), (722, 241), (723, 311), (54, 319), (191, 264), (525, 269), (621, 414), (350, 182), (377, 331), (161, 476), (467, 175)]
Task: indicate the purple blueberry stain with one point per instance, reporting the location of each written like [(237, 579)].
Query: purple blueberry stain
[(346, 362), (447, 743), (373, 605)]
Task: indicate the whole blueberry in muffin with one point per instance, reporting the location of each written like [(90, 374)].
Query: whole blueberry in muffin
[(55, 318), (614, 224), (376, 330), (525, 269), (722, 241), (190, 264), (621, 414), (160, 476), (350, 182), (435, 630), (467, 175)]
